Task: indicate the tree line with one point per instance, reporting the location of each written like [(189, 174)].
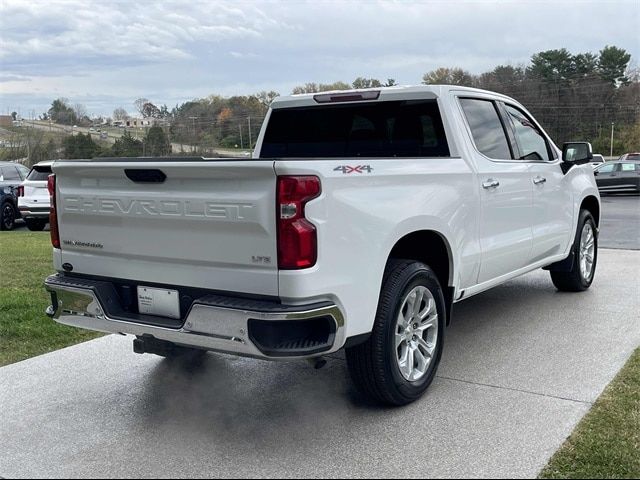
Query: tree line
[(576, 96), (155, 143)]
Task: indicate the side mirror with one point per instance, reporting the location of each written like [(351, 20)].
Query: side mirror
[(576, 153)]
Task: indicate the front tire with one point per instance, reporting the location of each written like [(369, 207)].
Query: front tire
[(585, 257), (399, 361), (7, 216)]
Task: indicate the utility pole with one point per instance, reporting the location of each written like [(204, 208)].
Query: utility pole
[(193, 124), (241, 144), (28, 145), (250, 142), (611, 152)]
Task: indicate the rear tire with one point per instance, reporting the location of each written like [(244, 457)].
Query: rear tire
[(585, 257), (36, 225), (399, 360), (8, 216)]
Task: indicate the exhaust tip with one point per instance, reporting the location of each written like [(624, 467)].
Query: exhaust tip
[(317, 363)]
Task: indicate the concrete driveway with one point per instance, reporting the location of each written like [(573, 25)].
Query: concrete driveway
[(523, 364)]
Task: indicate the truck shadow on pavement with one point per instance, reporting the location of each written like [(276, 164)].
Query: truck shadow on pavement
[(497, 331)]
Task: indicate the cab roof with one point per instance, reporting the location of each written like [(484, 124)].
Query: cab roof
[(397, 92)]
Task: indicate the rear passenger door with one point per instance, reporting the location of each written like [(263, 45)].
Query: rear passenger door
[(629, 175), (552, 221), (506, 192)]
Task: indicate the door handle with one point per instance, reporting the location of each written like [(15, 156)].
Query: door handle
[(491, 183), (539, 180)]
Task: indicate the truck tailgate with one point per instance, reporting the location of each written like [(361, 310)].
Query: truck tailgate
[(201, 223)]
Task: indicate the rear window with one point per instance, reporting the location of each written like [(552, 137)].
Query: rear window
[(39, 174), (384, 129)]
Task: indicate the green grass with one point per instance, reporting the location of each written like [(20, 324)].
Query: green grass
[(606, 443), (25, 330)]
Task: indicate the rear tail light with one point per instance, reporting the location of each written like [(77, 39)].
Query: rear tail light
[(53, 213), (297, 236), (20, 191)]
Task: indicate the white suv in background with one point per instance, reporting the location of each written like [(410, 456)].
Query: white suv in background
[(33, 197)]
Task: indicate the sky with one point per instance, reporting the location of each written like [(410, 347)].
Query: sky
[(107, 53)]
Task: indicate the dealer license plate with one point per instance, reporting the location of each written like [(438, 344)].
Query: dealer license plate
[(159, 301)]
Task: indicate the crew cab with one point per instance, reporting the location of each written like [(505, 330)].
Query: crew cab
[(361, 218)]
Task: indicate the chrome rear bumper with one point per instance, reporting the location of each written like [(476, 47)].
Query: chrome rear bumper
[(222, 324)]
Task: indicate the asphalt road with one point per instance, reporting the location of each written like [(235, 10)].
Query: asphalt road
[(523, 363), (620, 225)]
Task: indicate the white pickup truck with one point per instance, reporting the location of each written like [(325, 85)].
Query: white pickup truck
[(361, 218)]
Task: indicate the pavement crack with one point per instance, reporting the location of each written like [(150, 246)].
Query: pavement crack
[(584, 402)]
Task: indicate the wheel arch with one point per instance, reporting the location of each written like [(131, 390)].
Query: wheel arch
[(10, 200), (592, 204), (433, 249)]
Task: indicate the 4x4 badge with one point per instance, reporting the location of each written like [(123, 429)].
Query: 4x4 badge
[(353, 169)]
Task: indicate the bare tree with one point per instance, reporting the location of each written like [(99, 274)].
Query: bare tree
[(80, 111), (140, 103), (265, 98), (120, 114)]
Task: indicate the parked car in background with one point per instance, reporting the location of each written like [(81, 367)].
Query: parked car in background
[(630, 156), (11, 176), (33, 201), (597, 160), (618, 176)]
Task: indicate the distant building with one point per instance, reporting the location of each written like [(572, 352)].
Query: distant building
[(144, 122), (6, 121)]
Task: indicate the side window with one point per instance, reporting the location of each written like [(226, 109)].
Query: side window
[(532, 143), (607, 168), (486, 128), (628, 167), (10, 174)]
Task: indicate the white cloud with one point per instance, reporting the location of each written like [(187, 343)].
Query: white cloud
[(172, 51)]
